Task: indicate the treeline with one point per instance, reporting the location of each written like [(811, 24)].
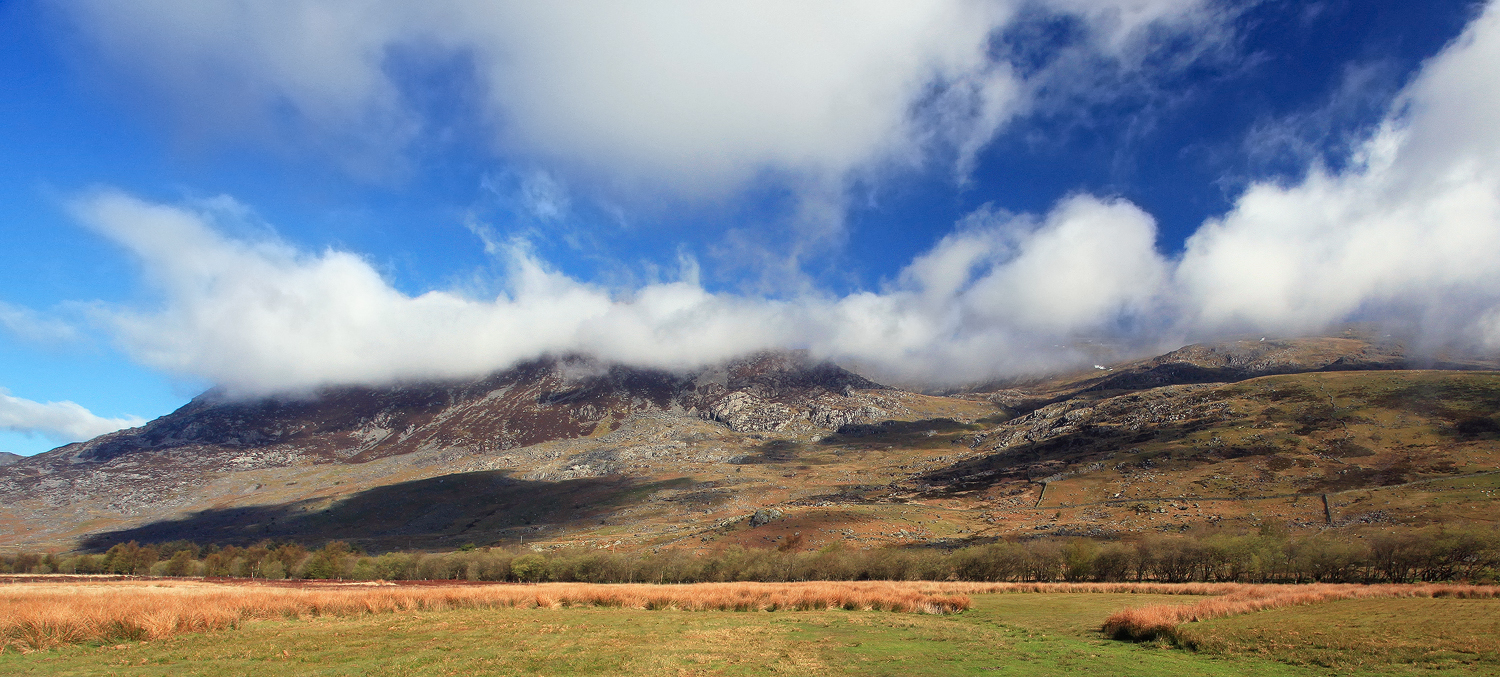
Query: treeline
[(1439, 555)]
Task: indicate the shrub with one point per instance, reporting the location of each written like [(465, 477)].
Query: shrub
[(530, 568), (273, 570)]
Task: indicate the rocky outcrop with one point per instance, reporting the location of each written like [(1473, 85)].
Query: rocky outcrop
[(784, 391), (1154, 408), (743, 412), (542, 401), (764, 516)]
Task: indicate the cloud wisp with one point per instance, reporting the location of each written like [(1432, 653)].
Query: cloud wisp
[(58, 421), (33, 327)]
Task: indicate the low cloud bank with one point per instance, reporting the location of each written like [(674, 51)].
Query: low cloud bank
[(261, 317), (1409, 233), (58, 421)]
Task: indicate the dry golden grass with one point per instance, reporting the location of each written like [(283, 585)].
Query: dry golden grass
[(44, 615), (1128, 588), (39, 615), (1161, 620)]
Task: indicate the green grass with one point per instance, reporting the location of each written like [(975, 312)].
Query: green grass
[(1020, 634), (1400, 636)]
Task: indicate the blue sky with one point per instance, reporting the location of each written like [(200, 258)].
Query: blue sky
[(272, 197)]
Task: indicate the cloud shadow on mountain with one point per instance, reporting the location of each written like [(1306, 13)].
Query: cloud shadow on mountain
[(484, 508)]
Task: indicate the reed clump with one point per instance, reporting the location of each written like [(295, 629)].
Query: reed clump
[(1163, 621), (37, 616)]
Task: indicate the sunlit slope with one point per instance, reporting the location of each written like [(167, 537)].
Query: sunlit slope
[(1350, 451), (1391, 447)]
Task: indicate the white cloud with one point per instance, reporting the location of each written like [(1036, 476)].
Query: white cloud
[(59, 421), (999, 295), (260, 317), (1409, 232), (35, 327), (685, 98), (1119, 26)]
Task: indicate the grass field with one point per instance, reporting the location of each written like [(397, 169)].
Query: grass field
[(1460, 634), (1169, 620), (1040, 633)]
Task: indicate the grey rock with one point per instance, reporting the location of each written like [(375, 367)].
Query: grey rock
[(764, 516)]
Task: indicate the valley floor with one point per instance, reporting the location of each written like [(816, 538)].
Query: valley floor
[(1002, 634)]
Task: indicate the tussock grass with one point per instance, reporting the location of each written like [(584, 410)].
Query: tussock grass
[(1162, 621), (40, 616)]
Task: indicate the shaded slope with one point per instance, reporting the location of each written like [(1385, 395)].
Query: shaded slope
[(441, 512)]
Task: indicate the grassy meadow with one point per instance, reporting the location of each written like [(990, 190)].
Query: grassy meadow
[(1006, 629), (1356, 635)]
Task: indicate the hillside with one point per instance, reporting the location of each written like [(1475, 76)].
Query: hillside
[(777, 450), (1226, 362), (547, 422)]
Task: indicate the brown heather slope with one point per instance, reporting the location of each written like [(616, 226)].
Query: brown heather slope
[(568, 453), (1226, 362), (565, 429)]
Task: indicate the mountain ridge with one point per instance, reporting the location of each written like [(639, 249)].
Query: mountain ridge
[(570, 450)]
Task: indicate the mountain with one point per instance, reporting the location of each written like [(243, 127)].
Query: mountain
[(220, 452), (532, 403), (1316, 433), (7, 458)]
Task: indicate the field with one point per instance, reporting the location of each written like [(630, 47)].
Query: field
[(1007, 629), (1355, 634)]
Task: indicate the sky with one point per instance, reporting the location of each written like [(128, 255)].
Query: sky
[(273, 196)]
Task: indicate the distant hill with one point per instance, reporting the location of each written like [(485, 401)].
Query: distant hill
[(1225, 362), (7, 458)]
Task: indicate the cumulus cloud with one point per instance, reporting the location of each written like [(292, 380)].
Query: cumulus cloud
[(690, 98), (1409, 231), (686, 95), (259, 316), (59, 421)]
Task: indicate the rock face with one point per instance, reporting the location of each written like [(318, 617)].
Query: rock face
[(532, 403), (1151, 409), (783, 391), (546, 400)]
